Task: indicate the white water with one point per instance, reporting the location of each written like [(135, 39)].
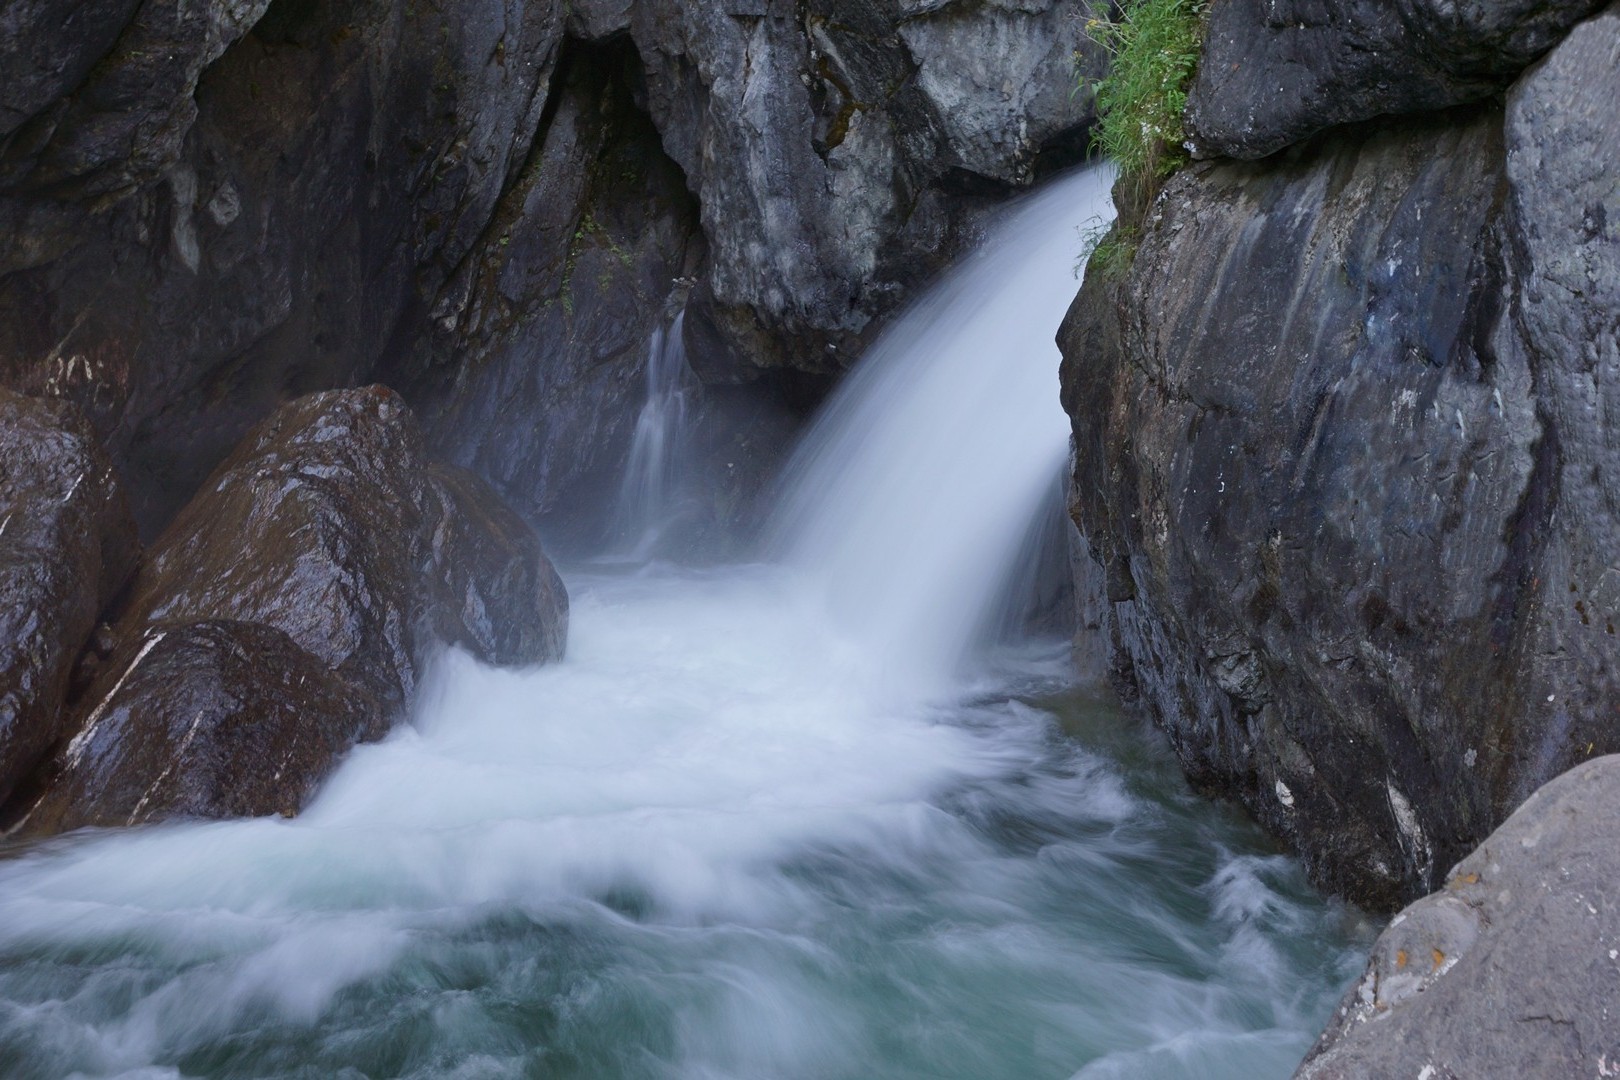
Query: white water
[(752, 827), (911, 499), (646, 505)]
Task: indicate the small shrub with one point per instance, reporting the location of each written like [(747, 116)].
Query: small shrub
[(1154, 51)]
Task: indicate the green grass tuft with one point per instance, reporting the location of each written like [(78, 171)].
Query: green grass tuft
[(1154, 52)]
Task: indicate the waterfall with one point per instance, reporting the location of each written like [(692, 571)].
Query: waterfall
[(647, 504), (749, 828), (911, 499)]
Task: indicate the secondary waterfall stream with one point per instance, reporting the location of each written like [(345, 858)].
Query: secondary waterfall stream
[(767, 821)]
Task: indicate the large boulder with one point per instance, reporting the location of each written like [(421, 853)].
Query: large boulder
[(1511, 968), (1274, 72), (1346, 464), (67, 543), (319, 568)]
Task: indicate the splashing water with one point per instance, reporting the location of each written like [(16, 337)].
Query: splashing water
[(753, 827)]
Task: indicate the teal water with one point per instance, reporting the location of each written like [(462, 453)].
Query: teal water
[(699, 848)]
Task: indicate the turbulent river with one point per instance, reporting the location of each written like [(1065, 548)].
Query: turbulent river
[(791, 819)]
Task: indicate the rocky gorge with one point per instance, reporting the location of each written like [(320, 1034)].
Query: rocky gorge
[(316, 318)]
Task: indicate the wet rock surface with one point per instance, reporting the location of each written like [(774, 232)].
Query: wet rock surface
[(206, 719), (1345, 462), (67, 543), (215, 208), (1511, 968), (1274, 72), (327, 559)]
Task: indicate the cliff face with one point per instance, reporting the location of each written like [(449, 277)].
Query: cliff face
[(215, 207), (1346, 452)]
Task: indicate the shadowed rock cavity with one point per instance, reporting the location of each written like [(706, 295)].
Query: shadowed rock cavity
[(216, 207), (285, 615), (1346, 464)]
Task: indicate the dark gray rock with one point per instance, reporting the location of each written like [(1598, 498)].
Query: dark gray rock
[(208, 719), (1511, 969), (66, 546), (322, 563), (1344, 462), (1274, 72)]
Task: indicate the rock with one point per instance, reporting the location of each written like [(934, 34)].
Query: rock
[(1343, 462), (496, 594), (323, 562), (1511, 968), (66, 546), (490, 206), (206, 719), (1274, 72)]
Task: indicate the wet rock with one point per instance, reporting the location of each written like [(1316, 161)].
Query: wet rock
[(324, 561), (496, 595), (66, 546), (207, 719), (1510, 969), (1345, 464), (1274, 72)]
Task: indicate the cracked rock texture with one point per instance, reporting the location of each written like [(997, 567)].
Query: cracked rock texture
[(318, 570), (1347, 463), (1511, 968), (215, 207)]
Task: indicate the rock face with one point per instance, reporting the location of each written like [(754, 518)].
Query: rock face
[(67, 543), (215, 207), (1345, 460), (1274, 72), (309, 579), (1510, 969)]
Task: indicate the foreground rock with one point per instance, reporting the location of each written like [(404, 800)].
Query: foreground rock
[(67, 543), (319, 567), (210, 720), (1346, 464), (1510, 970)]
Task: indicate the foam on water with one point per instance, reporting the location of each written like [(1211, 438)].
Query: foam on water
[(752, 827)]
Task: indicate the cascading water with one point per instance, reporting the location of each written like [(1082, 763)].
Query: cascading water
[(753, 827), (646, 505), (911, 499)]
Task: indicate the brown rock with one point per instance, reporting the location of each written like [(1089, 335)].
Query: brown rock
[(208, 719), (285, 614), (66, 545)]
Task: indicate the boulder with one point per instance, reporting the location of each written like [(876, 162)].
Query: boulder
[(67, 544), (1510, 969), (1345, 462), (318, 569), (1274, 72), (206, 720)]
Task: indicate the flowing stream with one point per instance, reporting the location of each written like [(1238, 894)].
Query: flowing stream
[(785, 820)]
